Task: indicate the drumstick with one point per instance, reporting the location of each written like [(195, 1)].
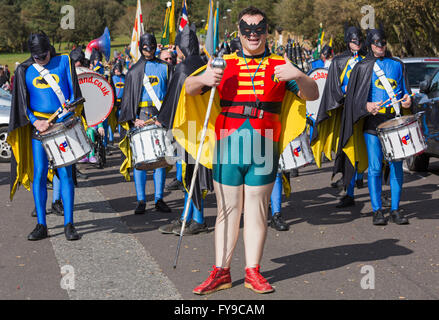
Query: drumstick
[(391, 104), (60, 109), (382, 103)]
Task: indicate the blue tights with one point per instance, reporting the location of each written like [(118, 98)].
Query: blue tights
[(374, 174), (276, 195), (159, 176), (193, 213), (39, 185)]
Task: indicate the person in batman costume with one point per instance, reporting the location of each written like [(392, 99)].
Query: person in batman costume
[(188, 51), (33, 102), (137, 107), (256, 92), (327, 126), (359, 146)]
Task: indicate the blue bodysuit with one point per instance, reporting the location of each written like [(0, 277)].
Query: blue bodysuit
[(42, 103)]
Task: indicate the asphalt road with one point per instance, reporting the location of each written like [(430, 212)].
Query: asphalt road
[(327, 254)]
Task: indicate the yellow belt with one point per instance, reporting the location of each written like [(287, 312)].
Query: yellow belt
[(147, 104), (42, 115), (383, 110)]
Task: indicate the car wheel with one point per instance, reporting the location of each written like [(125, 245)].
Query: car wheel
[(5, 148), (418, 163)]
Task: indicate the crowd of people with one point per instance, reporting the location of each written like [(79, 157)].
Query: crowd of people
[(259, 93)]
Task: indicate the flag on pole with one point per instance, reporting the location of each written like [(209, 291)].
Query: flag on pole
[(172, 31), (168, 36), (216, 30), (316, 54), (209, 48), (138, 31), (184, 18)]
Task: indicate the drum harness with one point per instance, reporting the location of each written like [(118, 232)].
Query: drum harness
[(45, 74), (388, 87), (151, 92)]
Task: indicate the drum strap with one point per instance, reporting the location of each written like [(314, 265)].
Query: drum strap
[(45, 74), (387, 86), (151, 92)]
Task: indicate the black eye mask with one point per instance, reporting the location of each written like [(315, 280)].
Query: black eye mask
[(247, 29)]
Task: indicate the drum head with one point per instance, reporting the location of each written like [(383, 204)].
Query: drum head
[(396, 123), (98, 94), (60, 126), (319, 75)]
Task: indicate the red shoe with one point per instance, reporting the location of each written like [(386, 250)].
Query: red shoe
[(218, 279), (255, 281)]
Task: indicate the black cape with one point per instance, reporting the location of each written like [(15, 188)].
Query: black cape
[(18, 116), (133, 90), (193, 61), (354, 114), (327, 125)]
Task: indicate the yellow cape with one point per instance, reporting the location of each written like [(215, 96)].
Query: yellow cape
[(191, 112)]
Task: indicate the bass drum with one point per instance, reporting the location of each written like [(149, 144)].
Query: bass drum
[(319, 75), (98, 94)]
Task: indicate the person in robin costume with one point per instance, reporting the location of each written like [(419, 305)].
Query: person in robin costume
[(257, 110)]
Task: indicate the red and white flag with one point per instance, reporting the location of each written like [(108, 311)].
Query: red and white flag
[(138, 31), (184, 19)]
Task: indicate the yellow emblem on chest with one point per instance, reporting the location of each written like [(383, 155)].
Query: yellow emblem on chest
[(40, 83)]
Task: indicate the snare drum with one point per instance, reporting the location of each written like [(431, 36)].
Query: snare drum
[(297, 154), (151, 148), (401, 137), (65, 143)]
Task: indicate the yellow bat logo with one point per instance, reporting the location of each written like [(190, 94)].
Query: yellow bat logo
[(153, 80), (379, 85), (40, 83), (119, 85)]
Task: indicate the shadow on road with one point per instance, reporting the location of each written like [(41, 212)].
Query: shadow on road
[(325, 259)]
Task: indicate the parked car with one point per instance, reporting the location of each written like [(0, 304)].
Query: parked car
[(428, 101), (418, 69), (5, 109)]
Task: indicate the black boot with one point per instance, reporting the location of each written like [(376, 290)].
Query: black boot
[(386, 202), (398, 218), (39, 233), (140, 209), (337, 184), (346, 201), (161, 206), (191, 228), (175, 185), (277, 222), (57, 208), (378, 218), (168, 228), (70, 232)]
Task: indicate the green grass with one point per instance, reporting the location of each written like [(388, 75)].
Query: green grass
[(118, 44)]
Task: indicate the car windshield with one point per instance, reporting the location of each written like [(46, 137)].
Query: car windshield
[(417, 72)]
